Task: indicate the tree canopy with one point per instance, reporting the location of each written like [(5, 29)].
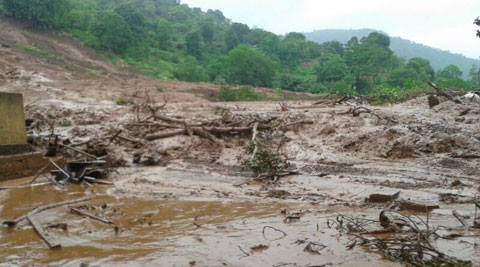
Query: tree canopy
[(247, 65), (39, 13)]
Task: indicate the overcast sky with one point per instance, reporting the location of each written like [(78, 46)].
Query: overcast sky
[(445, 24)]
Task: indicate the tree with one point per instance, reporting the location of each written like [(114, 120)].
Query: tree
[(477, 22), (236, 34), (370, 60), (414, 74), (450, 72), (332, 68), (194, 44), (451, 76), (376, 38), (113, 32), (248, 66), (133, 16), (207, 29), (475, 75), (295, 36), (402, 77), (333, 47), (39, 13), (422, 68), (164, 33)]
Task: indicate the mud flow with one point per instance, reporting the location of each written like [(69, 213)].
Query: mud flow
[(169, 233)]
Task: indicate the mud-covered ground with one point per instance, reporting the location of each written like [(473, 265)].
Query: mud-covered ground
[(198, 205)]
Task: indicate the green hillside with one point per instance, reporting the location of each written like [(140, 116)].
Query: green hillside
[(402, 47), (168, 40)]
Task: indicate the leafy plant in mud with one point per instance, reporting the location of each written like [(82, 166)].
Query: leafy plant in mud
[(266, 162)]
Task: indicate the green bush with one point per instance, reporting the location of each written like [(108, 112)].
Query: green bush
[(390, 95), (243, 93), (266, 162), (190, 71)]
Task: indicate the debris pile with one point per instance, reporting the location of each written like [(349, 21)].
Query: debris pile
[(398, 237)]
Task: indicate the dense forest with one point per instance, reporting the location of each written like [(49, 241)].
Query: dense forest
[(403, 48), (169, 40)]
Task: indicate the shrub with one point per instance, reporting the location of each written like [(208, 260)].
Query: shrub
[(266, 162), (243, 93)]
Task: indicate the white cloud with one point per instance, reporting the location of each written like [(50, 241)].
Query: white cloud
[(443, 24)]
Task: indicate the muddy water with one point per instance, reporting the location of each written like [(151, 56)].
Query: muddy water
[(167, 233)]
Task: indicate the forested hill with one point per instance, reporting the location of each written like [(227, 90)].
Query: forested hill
[(169, 40), (403, 48)]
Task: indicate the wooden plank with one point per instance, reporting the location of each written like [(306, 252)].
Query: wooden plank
[(52, 244)]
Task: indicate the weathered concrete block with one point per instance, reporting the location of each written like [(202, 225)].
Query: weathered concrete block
[(13, 136)]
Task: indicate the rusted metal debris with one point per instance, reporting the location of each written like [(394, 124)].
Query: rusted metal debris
[(77, 171)]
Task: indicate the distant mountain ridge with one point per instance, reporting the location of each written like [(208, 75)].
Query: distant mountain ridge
[(402, 47)]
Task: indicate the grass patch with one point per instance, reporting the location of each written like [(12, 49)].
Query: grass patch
[(243, 93), (121, 101), (35, 51)]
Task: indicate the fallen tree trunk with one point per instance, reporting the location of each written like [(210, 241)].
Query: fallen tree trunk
[(157, 136)]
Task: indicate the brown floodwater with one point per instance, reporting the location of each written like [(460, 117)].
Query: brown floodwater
[(166, 232)]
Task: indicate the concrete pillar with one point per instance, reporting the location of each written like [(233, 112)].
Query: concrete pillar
[(13, 136)]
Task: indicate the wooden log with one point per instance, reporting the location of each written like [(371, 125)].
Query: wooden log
[(52, 244), (168, 119), (412, 206), (157, 136), (382, 198), (91, 216), (202, 133), (254, 141), (44, 208), (131, 140)]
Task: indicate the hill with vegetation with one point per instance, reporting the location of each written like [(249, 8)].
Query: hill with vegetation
[(402, 47), (171, 41)]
